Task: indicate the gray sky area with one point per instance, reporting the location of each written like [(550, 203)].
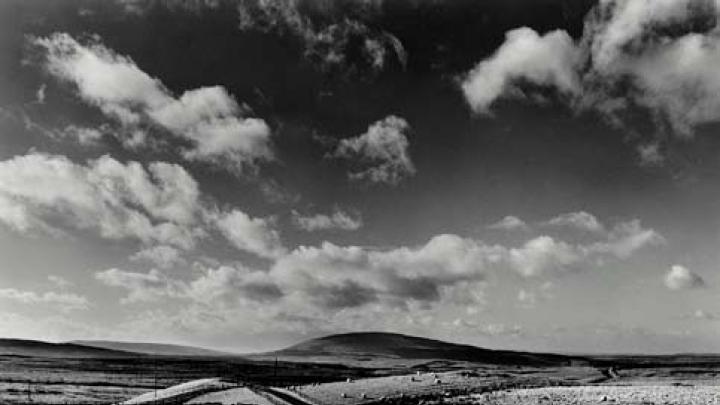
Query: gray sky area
[(243, 174)]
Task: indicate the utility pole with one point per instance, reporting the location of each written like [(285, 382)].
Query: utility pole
[(155, 377)]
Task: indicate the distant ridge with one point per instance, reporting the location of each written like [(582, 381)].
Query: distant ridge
[(157, 349), (392, 347), (36, 348)]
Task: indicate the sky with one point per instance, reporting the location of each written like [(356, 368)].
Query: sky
[(244, 174)]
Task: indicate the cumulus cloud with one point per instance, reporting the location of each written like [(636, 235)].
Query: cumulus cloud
[(702, 315), (208, 119), (59, 281), (547, 60), (84, 135), (545, 254), (681, 278), (328, 43), (339, 219), (253, 235), (656, 56), (336, 277), (141, 287), (225, 285), (382, 151), (625, 238), (232, 283), (510, 223), (63, 301), (158, 204), (579, 220), (162, 256), (40, 94), (118, 200), (345, 286)]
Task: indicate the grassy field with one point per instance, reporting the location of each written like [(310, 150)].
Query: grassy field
[(104, 381), (356, 369)]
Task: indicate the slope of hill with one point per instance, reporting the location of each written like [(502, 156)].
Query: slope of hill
[(36, 348), (374, 346), (158, 349)]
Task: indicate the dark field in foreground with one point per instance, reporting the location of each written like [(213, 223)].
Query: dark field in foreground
[(351, 369), (107, 380), (104, 381)]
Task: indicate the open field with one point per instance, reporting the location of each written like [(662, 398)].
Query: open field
[(456, 383), (591, 395), (367, 369), (104, 381), (91, 381)]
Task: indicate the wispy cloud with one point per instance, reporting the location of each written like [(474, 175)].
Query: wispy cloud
[(339, 220), (327, 42), (63, 301)]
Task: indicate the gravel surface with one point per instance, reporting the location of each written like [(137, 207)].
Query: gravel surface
[(587, 395)]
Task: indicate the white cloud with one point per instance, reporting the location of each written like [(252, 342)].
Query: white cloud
[(328, 43), (544, 254), (446, 269), (510, 223), (337, 220), (547, 60), (223, 286), (343, 285), (626, 238), (527, 298), (159, 205), (253, 235), (208, 118), (580, 220), (703, 315), (233, 283), (681, 278), (84, 135), (40, 94), (63, 301), (59, 281), (657, 56), (383, 150), (118, 200), (162, 256), (337, 277), (141, 287)]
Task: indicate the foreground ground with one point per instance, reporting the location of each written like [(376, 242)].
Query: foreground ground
[(588, 395), (233, 381)]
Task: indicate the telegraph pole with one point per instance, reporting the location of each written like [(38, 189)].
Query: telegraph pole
[(155, 377)]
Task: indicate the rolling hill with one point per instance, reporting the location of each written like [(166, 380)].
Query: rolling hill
[(157, 349), (397, 348), (36, 348)]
